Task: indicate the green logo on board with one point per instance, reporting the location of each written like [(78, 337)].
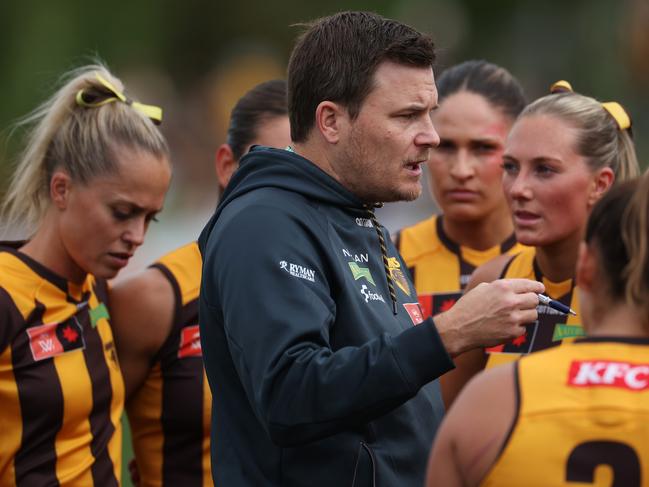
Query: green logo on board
[(561, 332)]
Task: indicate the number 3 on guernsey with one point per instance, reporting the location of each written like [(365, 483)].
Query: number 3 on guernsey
[(622, 459)]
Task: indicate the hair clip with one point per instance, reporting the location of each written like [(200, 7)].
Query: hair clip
[(618, 112), (86, 99), (561, 86)]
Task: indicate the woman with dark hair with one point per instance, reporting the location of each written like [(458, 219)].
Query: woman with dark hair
[(156, 325), (556, 416), (478, 103), (92, 177)]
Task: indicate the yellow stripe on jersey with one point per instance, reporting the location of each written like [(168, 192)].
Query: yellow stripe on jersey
[(185, 265), (11, 429), (583, 417), (440, 268), (61, 388), (170, 415), (552, 327), (144, 412)]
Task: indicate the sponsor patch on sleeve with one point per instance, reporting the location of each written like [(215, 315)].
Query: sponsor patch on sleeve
[(297, 270), (190, 342), (606, 373), (415, 313), (52, 339)]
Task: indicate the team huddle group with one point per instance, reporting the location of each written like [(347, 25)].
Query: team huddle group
[(296, 342)]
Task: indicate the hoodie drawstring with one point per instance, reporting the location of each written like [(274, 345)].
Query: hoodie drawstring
[(384, 254)]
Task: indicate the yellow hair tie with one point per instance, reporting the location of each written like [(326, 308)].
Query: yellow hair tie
[(614, 108), (151, 111), (618, 113), (561, 86)]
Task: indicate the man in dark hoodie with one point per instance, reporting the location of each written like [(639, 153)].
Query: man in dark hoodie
[(321, 368)]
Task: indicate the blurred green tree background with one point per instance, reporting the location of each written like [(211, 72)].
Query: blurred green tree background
[(196, 57)]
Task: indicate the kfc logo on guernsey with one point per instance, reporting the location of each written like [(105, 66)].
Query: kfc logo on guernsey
[(603, 373), (190, 342)]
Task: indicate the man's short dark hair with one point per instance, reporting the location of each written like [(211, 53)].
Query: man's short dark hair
[(264, 101), (336, 58)]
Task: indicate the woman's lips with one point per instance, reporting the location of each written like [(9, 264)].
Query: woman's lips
[(119, 259), (523, 218), (462, 195)]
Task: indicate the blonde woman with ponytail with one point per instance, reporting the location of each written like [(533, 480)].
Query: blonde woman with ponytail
[(563, 153), (556, 417), (92, 176)]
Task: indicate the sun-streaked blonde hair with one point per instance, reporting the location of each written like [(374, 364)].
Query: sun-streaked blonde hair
[(599, 138), (79, 140)]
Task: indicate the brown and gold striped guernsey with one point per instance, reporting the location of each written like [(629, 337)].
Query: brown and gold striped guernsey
[(61, 390), (552, 327), (170, 413), (441, 268), (582, 417)]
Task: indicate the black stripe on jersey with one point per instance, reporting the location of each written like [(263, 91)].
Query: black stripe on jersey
[(466, 269), (177, 322), (614, 339), (11, 320), (35, 462), (546, 323), (182, 397), (508, 244), (412, 271), (101, 425), (448, 243), (100, 287), (506, 268)]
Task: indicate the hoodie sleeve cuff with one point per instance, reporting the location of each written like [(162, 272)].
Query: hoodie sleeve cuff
[(421, 354)]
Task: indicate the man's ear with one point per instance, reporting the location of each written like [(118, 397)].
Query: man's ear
[(60, 185), (331, 119), (602, 182), (225, 164)]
